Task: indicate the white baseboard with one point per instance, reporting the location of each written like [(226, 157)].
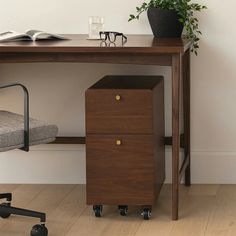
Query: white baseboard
[(65, 164), (47, 164), (208, 167)]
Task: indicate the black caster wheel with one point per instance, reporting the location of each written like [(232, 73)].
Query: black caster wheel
[(146, 214), (39, 230), (5, 215), (97, 210), (123, 210)]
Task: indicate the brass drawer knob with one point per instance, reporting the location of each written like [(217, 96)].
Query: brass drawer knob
[(118, 142), (118, 97)]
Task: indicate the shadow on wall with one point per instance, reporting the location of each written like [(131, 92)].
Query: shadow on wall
[(213, 98), (57, 89)]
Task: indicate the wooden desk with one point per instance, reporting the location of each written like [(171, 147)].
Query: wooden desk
[(140, 49)]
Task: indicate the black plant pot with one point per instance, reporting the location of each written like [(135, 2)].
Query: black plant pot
[(164, 23)]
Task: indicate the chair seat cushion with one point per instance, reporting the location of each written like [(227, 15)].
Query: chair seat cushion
[(12, 131)]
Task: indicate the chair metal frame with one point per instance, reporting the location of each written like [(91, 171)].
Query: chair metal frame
[(26, 112), (5, 208)]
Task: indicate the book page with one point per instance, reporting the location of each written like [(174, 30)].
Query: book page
[(13, 36), (37, 35), (32, 32)]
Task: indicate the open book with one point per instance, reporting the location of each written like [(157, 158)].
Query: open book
[(31, 35)]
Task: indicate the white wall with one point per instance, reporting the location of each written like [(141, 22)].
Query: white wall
[(57, 90)]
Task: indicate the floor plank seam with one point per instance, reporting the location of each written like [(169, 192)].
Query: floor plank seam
[(211, 213), (82, 212)]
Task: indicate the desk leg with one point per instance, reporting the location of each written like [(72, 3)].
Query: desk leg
[(186, 101), (176, 74)]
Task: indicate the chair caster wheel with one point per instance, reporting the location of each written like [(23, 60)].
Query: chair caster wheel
[(97, 210), (39, 230), (123, 210), (5, 215), (146, 214)]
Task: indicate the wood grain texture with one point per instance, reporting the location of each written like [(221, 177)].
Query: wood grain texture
[(206, 210), (69, 140), (22, 196), (140, 49), (68, 211), (41, 198), (120, 175), (80, 44), (222, 218), (132, 114), (158, 121), (70, 57), (131, 173), (187, 113), (175, 133)]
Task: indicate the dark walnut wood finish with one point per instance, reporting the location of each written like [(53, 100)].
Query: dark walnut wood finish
[(133, 171), (140, 50), (120, 174), (132, 114)]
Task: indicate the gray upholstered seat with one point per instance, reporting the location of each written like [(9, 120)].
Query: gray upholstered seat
[(12, 131)]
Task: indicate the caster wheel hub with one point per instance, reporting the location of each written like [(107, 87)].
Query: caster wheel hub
[(123, 210), (39, 230), (97, 210), (5, 215), (146, 214)]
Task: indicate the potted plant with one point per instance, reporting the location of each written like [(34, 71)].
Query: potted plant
[(168, 18)]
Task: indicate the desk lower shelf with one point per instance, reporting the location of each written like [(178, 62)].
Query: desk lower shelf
[(82, 140), (168, 142)]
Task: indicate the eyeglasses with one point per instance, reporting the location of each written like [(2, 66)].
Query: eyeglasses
[(111, 36), (107, 44)]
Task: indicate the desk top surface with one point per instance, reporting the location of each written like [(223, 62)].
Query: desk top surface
[(79, 44)]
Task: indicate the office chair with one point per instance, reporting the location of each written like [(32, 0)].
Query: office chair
[(20, 132)]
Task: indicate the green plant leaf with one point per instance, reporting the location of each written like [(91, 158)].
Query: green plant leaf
[(185, 10)]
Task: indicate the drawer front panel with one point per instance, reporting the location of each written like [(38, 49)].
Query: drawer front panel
[(120, 169), (119, 111)]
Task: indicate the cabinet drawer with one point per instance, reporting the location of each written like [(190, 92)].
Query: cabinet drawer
[(120, 169), (119, 111)]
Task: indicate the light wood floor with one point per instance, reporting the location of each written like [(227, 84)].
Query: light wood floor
[(204, 210)]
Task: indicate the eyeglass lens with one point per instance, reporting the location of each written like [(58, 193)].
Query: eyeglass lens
[(103, 36), (112, 37)]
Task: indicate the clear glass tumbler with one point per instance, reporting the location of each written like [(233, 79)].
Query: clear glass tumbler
[(96, 24)]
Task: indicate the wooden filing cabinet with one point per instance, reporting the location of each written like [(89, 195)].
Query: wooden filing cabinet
[(125, 158)]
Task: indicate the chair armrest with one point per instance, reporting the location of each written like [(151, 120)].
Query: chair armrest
[(26, 113)]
